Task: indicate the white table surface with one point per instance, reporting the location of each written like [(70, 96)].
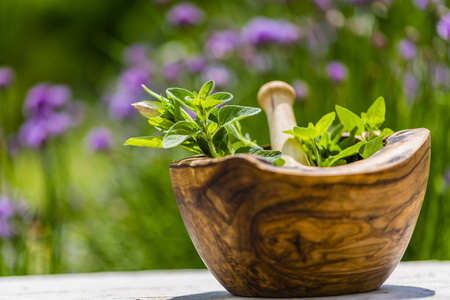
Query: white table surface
[(410, 280)]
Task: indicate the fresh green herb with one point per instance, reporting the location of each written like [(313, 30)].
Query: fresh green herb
[(214, 132), (333, 142)]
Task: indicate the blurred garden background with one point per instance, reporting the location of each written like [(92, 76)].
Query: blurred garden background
[(73, 199)]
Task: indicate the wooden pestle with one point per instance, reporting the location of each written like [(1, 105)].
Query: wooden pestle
[(276, 99)]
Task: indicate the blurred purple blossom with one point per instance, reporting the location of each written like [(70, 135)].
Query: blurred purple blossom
[(337, 71), (120, 102), (45, 116), (421, 4), (195, 64), (135, 77), (99, 139), (410, 86), (43, 98), (220, 74), (6, 77), (190, 113), (407, 49), (301, 89), (443, 27), (441, 76), (171, 71), (222, 43), (260, 62), (265, 31), (185, 14), (136, 55), (6, 208), (323, 4)]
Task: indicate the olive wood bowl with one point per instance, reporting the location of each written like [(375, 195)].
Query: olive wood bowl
[(270, 231), (301, 231)]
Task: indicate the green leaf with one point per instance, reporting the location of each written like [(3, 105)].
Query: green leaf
[(180, 94), (350, 120), (386, 132), (304, 133), (269, 155), (375, 115), (220, 142), (214, 115), (232, 113), (215, 100), (279, 162), (206, 90), (249, 149), (153, 94), (160, 124), (324, 123), (146, 141), (347, 152), (191, 145), (371, 147), (204, 146), (179, 133)]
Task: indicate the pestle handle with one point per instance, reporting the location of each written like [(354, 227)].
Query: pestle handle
[(276, 99)]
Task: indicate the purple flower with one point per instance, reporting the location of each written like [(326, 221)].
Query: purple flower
[(337, 71), (323, 4), (43, 98), (136, 55), (220, 74), (301, 89), (265, 31), (120, 103), (222, 43), (99, 139), (407, 49), (410, 86), (6, 77), (185, 14), (33, 133), (5, 229), (421, 4), (171, 71), (195, 64), (133, 78), (443, 27), (441, 76), (6, 208)]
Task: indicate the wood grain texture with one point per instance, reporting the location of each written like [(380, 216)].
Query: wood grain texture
[(270, 231)]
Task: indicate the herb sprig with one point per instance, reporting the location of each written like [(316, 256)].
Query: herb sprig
[(214, 132), (324, 145)]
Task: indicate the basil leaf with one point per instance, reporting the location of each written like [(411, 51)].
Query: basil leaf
[(350, 120), (180, 94), (179, 133), (204, 146), (371, 147), (146, 141), (269, 155), (305, 133), (160, 123), (347, 152), (220, 142), (324, 123), (231, 113), (376, 113), (206, 90), (148, 109), (249, 149), (191, 145)]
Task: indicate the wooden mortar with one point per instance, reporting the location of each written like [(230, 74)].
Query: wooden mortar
[(267, 231)]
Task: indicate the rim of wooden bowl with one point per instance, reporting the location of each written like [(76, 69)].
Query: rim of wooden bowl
[(400, 147)]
